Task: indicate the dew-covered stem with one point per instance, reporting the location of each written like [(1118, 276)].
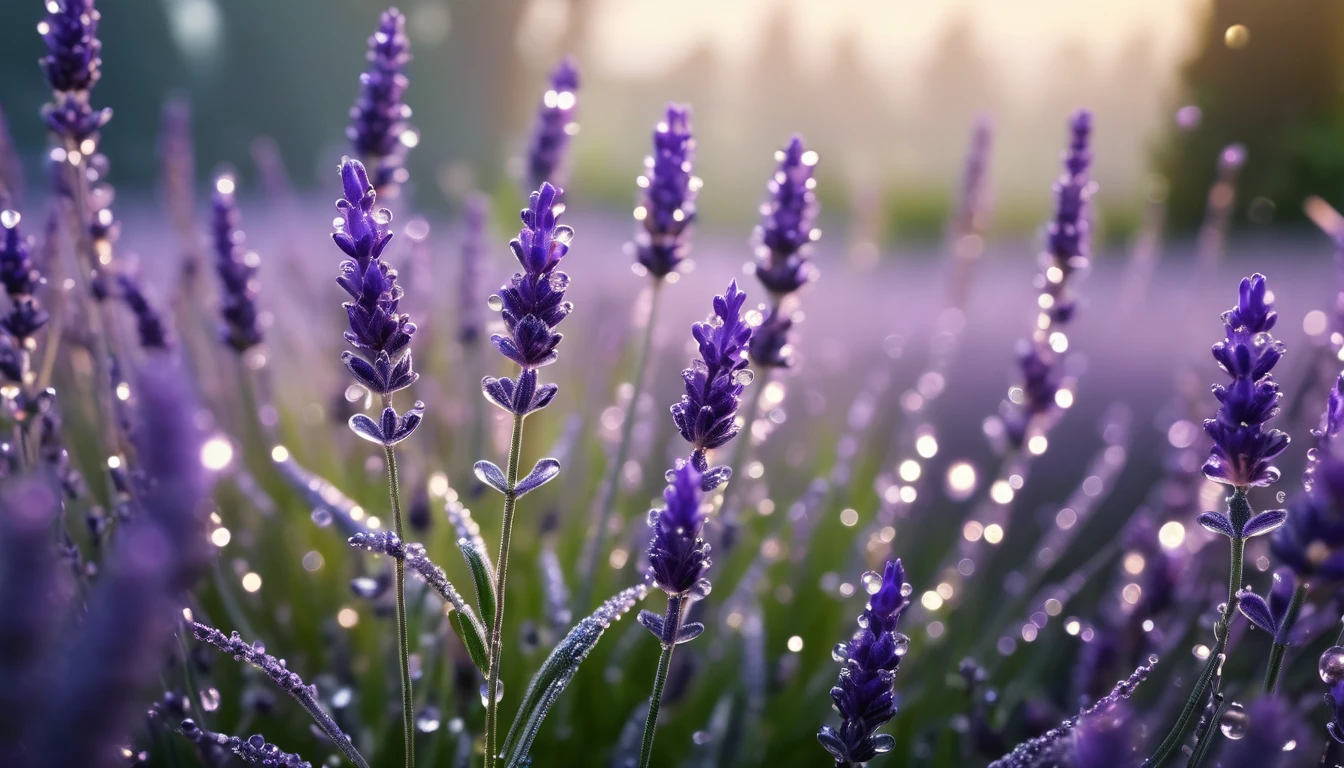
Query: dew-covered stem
[(501, 573), (671, 628), (611, 484), (403, 636)]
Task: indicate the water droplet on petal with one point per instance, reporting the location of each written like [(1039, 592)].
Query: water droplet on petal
[(902, 644), (495, 302), (1331, 665), (883, 743), (840, 652), (744, 377), (9, 219), (872, 582), (907, 590), (1235, 722)]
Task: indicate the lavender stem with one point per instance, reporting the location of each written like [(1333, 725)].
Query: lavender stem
[(501, 573), (403, 637), (671, 628), (611, 483), (1278, 651)]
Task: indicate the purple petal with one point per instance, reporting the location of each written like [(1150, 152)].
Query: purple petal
[(1218, 523), (1254, 608), (1264, 523)]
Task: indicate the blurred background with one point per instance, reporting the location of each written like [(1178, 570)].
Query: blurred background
[(886, 91)]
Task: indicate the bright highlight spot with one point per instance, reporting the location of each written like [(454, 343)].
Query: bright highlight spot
[(1171, 535), (217, 453), (795, 644), (251, 581)]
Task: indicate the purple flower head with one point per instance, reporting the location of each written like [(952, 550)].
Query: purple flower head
[(678, 556), (376, 327), (1066, 252), (237, 268), (668, 208), (1242, 448), (533, 303), (253, 749), (18, 274), (865, 694), (784, 236), (71, 117), (706, 416), (70, 31), (378, 121), (1311, 543), (149, 324), (555, 125)]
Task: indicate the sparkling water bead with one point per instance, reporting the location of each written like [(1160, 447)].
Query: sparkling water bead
[(902, 644), (1234, 722), (485, 692), (872, 582), (1331, 665), (840, 652), (883, 743)]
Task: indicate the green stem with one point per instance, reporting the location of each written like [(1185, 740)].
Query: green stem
[(1202, 746), (671, 628), (611, 483), (1280, 648), (403, 637), (501, 572), (1220, 631)]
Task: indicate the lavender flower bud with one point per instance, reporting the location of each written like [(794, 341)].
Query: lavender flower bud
[(1067, 249), (678, 556), (237, 269), (1242, 448), (254, 749), (706, 416), (785, 233), (667, 211), (379, 131), (555, 125), (70, 31), (533, 303), (376, 328), (149, 323), (470, 283), (21, 280), (865, 695)]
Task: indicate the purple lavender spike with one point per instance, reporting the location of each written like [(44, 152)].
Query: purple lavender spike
[(237, 268), (548, 149), (149, 323), (1029, 413), (72, 66), (253, 749), (667, 211), (783, 243), (21, 280), (1311, 543), (678, 556), (706, 416), (865, 695), (380, 131)]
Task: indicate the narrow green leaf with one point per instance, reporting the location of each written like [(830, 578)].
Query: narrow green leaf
[(482, 575), (475, 644), (560, 667)]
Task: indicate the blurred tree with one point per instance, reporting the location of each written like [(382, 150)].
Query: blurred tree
[(1269, 76)]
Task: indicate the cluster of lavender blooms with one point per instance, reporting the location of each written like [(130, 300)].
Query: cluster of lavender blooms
[(237, 266), (1026, 412), (380, 131), (555, 126), (25, 317), (667, 212), (783, 242), (73, 66), (865, 695)]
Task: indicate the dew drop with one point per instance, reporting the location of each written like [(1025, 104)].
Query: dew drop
[(1331, 665), (321, 518), (902, 645), (1280, 497), (670, 475), (653, 518), (743, 377), (495, 303), (427, 721), (9, 219), (840, 652), (485, 692), (1235, 722), (872, 582), (907, 590), (701, 590), (883, 743)]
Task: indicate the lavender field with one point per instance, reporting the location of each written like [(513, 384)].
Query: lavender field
[(469, 469)]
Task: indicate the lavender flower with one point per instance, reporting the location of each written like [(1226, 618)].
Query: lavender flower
[(865, 695), (783, 242), (237, 269), (555, 125), (1312, 541), (474, 248), (149, 323), (678, 556), (254, 749), (72, 67), (533, 304), (1242, 448), (21, 280), (1067, 250), (377, 330), (379, 130), (706, 416), (667, 211)]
